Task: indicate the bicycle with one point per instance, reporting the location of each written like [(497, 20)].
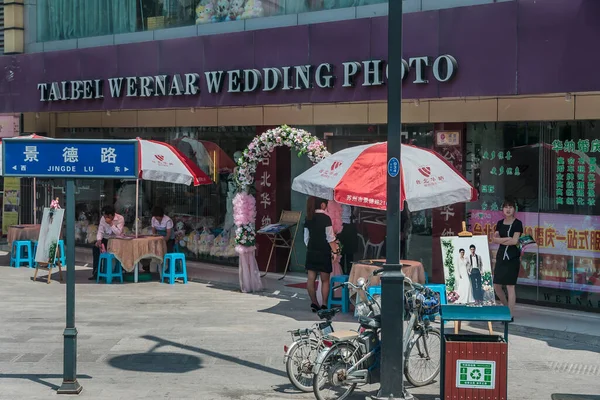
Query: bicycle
[(353, 358), (300, 357)]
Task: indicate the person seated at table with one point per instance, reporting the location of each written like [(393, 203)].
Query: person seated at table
[(161, 225), (111, 224)]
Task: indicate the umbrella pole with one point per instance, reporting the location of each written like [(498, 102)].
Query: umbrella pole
[(137, 199)]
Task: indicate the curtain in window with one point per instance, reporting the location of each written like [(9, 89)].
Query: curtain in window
[(71, 19)]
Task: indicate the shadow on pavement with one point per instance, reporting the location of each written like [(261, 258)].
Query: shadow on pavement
[(39, 378), (299, 309), (245, 363), (170, 363), (564, 396), (566, 341)]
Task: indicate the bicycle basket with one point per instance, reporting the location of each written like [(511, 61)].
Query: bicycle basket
[(431, 302)]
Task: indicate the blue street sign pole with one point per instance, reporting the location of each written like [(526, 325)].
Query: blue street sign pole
[(70, 384), (70, 159)]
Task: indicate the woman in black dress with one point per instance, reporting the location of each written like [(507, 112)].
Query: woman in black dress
[(321, 246), (508, 258)]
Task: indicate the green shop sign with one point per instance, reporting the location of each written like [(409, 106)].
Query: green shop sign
[(475, 374)]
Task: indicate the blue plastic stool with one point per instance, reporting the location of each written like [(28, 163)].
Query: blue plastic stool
[(343, 301), (110, 270), (170, 263), (17, 256), (374, 290), (441, 289)]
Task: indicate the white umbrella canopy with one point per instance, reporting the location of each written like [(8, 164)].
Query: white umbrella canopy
[(159, 161), (357, 176)]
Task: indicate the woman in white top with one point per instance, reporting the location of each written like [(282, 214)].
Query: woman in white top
[(461, 277), (161, 225)]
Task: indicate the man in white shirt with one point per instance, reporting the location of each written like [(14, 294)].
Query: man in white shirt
[(111, 224)]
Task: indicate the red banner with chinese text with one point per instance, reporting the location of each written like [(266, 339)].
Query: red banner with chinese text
[(447, 220)]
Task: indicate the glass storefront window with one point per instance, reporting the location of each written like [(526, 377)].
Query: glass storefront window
[(72, 19), (549, 168), (203, 215)]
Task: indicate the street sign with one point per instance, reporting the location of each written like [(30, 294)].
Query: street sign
[(65, 158), (475, 374), (393, 167)]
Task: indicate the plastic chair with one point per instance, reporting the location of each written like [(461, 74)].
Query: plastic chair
[(110, 270), (21, 253), (374, 290), (343, 301), (376, 237), (170, 264)]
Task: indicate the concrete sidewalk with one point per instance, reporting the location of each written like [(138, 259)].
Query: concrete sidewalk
[(211, 342), (577, 326)]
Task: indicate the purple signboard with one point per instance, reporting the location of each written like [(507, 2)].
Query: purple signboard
[(520, 47)]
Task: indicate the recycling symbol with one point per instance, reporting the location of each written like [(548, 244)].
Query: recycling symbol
[(475, 374)]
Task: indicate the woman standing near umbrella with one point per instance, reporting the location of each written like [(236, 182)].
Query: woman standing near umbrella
[(321, 247), (508, 258)]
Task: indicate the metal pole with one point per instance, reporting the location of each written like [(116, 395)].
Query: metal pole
[(137, 200), (34, 201), (392, 281), (70, 384)]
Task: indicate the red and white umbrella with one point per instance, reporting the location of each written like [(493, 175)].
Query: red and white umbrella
[(159, 161), (357, 176)]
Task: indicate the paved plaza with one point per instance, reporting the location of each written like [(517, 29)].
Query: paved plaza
[(208, 341)]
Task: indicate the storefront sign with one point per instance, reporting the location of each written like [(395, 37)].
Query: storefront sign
[(446, 138), (475, 374), (298, 77), (70, 158)]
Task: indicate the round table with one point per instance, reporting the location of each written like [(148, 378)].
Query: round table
[(129, 251), (364, 268), (23, 232)]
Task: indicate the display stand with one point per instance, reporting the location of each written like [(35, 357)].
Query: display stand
[(457, 323), (288, 221), (48, 267)]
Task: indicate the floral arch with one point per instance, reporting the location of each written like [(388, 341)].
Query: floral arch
[(244, 203)]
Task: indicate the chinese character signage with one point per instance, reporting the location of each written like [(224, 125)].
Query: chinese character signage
[(567, 250), (448, 219), (576, 172), (57, 158), (475, 374), (447, 138)]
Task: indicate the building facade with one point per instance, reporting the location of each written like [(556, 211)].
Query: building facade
[(513, 83)]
